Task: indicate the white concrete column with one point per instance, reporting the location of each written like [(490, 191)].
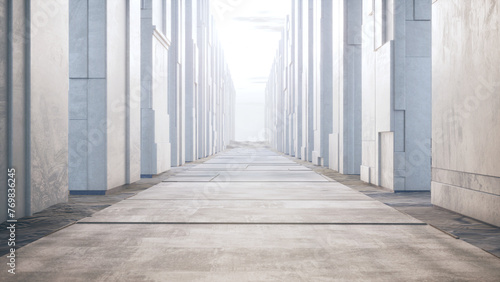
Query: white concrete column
[(315, 79), (191, 79), (176, 74), (297, 26), (155, 38), (34, 38)]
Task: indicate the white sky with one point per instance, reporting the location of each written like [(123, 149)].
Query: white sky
[(250, 31)]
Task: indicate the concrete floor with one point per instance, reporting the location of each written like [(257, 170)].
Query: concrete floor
[(250, 214)]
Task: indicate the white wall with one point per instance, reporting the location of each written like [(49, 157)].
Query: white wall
[(466, 118)]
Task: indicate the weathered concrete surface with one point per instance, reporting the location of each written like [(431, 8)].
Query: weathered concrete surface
[(465, 123), (283, 243), (132, 252)]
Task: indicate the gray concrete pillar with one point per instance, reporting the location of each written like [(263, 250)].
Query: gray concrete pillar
[(104, 95), (396, 99), (34, 103), (345, 141)]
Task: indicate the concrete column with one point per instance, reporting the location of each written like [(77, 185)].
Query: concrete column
[(396, 94), (34, 39), (315, 79), (345, 142), (176, 74), (133, 94), (4, 103), (310, 79), (297, 26), (202, 39), (191, 80), (326, 86), (103, 97), (465, 116), (304, 11), (155, 38)]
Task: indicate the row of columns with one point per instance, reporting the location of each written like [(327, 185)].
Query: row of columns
[(350, 89), (97, 94), (354, 88)]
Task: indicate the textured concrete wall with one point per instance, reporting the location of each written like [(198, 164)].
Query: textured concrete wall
[(48, 104), (466, 120), (34, 102), (396, 94), (17, 95)]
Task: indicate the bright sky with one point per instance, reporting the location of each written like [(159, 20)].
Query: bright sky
[(250, 31)]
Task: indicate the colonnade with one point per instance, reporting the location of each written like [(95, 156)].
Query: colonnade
[(97, 94), (354, 88)]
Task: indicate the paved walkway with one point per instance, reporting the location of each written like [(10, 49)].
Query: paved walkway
[(251, 215)]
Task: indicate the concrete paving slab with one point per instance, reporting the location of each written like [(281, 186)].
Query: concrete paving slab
[(276, 176), (189, 178), (276, 167), (141, 252), (256, 211), (251, 191), (220, 166), (251, 157), (195, 173), (248, 161)]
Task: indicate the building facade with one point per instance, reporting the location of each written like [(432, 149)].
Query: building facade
[(354, 88), (96, 94)]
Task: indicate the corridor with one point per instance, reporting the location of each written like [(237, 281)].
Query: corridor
[(251, 214)]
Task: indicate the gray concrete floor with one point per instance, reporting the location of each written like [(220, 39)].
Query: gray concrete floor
[(251, 214)]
